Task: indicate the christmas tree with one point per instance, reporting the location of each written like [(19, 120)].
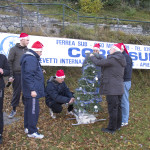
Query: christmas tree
[(87, 94)]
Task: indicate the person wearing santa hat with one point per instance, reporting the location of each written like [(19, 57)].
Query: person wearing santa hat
[(14, 57), (112, 84), (127, 86), (57, 94), (33, 88)]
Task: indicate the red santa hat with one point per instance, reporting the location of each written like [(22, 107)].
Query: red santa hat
[(60, 74), (96, 46), (117, 47), (24, 36), (37, 46), (123, 47)]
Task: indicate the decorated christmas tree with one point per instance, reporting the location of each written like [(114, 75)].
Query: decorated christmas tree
[(87, 94)]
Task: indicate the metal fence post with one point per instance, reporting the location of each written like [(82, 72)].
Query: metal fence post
[(78, 18), (63, 16), (95, 26), (21, 18), (37, 12)]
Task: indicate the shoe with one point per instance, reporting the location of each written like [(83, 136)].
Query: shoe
[(118, 129), (70, 113), (36, 135), (1, 139), (52, 114), (108, 130), (12, 114), (27, 131), (124, 124)]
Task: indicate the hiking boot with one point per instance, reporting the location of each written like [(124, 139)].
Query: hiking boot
[(108, 130), (36, 135), (52, 114), (12, 114), (70, 113)]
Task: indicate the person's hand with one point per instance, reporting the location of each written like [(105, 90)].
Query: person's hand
[(91, 54), (11, 79), (1, 71), (71, 101), (44, 71), (33, 94)]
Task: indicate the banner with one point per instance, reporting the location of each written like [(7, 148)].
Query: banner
[(71, 52)]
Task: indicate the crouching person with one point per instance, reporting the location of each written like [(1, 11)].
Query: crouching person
[(57, 94), (33, 88)]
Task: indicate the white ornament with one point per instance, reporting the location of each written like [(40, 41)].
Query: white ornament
[(93, 84), (95, 108), (80, 88), (93, 71), (78, 98), (80, 111), (82, 104), (96, 78)]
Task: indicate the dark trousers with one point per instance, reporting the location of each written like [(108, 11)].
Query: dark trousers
[(31, 114), (57, 107), (114, 109), (16, 90), (1, 111)]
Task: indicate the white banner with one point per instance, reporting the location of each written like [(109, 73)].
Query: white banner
[(71, 52)]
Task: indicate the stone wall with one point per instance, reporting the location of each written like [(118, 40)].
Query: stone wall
[(14, 21)]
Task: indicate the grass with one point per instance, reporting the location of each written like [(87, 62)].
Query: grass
[(60, 134)]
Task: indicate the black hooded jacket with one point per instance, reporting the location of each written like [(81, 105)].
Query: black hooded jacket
[(5, 67), (128, 68), (112, 73), (14, 57)]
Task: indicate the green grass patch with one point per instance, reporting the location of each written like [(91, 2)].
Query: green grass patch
[(60, 134)]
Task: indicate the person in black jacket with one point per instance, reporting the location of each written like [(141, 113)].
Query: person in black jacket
[(127, 86), (4, 71), (33, 88), (57, 93), (112, 84), (14, 57)]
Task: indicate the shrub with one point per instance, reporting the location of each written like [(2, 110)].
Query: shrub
[(130, 12), (91, 6), (112, 3)]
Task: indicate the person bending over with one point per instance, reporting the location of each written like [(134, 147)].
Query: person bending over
[(57, 94)]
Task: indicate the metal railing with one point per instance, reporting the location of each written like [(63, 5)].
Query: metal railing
[(73, 17)]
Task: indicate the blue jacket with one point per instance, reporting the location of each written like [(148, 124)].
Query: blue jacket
[(31, 75), (57, 92), (128, 68)]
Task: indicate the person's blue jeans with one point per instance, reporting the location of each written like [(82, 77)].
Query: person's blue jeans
[(125, 102)]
